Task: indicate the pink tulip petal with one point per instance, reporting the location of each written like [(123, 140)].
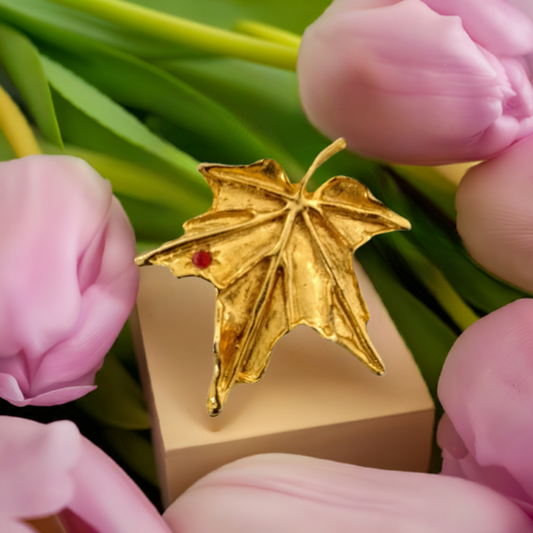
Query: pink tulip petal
[(340, 6), (105, 306), (73, 522), (55, 397), (36, 461), (520, 105), (525, 6), (367, 76), (450, 440), (68, 280), (495, 217), (495, 477), (107, 499), (16, 368), (419, 82), (50, 209), (103, 313), (288, 494), (488, 22), (11, 526), (486, 390), (51, 470), (10, 389)]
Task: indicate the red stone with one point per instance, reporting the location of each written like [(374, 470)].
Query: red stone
[(201, 259)]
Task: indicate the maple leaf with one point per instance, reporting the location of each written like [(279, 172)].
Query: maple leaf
[(279, 257)]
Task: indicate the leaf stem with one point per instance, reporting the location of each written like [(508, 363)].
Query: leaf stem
[(321, 158), (187, 32), (16, 128), (269, 33)]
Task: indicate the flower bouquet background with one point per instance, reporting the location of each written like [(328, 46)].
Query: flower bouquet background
[(144, 91)]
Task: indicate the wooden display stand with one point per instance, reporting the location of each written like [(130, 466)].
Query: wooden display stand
[(315, 399)]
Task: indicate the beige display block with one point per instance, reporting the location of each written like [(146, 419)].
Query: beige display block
[(315, 399)]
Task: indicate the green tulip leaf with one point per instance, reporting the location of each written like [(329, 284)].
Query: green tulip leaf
[(81, 130), (293, 16), (23, 64), (428, 337), (153, 223), (6, 150), (137, 181), (47, 18), (433, 185), (266, 100), (436, 237), (115, 118), (118, 400), (133, 82), (185, 32), (135, 451)]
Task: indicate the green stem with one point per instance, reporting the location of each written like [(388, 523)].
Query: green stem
[(16, 128), (186, 32), (432, 184), (440, 288), (269, 33)]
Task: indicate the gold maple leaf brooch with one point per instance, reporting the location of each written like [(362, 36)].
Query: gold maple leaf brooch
[(279, 257)]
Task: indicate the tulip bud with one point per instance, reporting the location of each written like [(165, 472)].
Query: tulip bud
[(495, 214), (289, 493), (419, 81), (67, 277), (57, 480), (485, 388)]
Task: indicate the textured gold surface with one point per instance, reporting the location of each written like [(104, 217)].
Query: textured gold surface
[(279, 257)]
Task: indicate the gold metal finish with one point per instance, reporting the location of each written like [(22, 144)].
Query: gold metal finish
[(279, 256)]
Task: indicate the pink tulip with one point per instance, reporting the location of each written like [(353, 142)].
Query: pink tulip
[(486, 389), (52, 471), (67, 277), (420, 81), (495, 214), (290, 493)]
